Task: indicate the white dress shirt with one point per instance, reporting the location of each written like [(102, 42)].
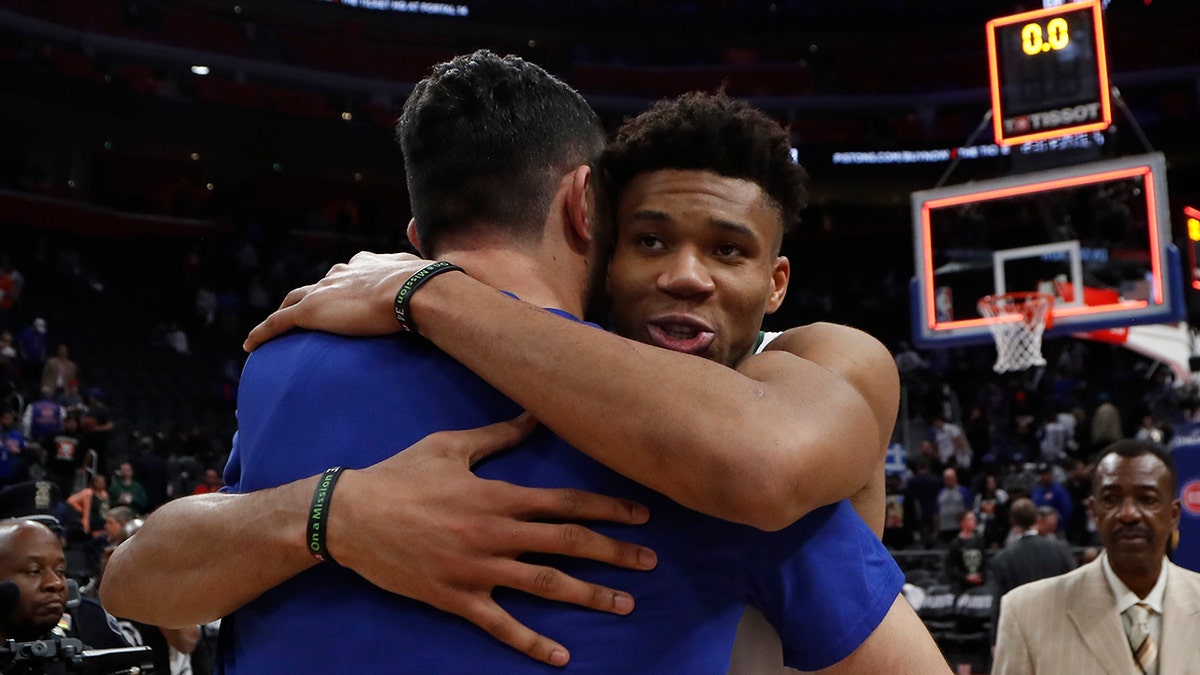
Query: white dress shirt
[(1127, 598)]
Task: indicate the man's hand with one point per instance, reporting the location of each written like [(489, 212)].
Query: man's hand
[(351, 299), (420, 524)]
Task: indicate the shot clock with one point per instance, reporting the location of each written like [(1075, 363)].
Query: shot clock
[(1049, 74)]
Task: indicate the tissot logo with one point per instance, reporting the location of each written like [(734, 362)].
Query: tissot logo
[(1053, 119)]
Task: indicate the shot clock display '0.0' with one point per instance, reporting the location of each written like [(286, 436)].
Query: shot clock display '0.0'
[(1049, 74)]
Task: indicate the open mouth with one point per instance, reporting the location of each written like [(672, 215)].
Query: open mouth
[(681, 335)]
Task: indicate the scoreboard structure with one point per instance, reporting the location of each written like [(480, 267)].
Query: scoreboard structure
[(1049, 73), (1094, 236)]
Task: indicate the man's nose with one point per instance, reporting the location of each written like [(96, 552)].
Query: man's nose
[(1129, 510), (686, 275), (51, 581)]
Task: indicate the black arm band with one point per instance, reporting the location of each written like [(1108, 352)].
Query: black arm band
[(404, 295), (318, 514)]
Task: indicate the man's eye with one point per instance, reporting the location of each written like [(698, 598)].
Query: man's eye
[(649, 241), (728, 250)]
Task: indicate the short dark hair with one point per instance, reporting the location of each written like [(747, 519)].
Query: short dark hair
[(1023, 513), (484, 139), (1134, 447), (708, 132)]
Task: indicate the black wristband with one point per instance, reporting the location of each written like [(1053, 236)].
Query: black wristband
[(318, 513), (404, 295)]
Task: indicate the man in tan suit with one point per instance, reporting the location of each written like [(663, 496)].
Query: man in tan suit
[(1087, 621)]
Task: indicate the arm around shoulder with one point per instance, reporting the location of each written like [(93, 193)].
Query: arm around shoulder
[(859, 369), (855, 357)]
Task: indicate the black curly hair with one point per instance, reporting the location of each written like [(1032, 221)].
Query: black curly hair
[(708, 132)]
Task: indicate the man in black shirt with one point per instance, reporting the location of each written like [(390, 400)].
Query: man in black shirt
[(36, 598)]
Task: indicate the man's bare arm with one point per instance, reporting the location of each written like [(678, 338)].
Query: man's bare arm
[(785, 434), (901, 645), (868, 366), (419, 524)]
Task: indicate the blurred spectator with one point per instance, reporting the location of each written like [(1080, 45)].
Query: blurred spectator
[(1079, 487), (43, 419), (992, 512), (213, 483), (1106, 423), (964, 558), (13, 466), (152, 471), (952, 447), (70, 398), (115, 524), (116, 530), (1050, 492), (979, 437), (952, 500), (1160, 395), (206, 306), (1028, 558), (1047, 522), (1022, 479), (909, 362), (64, 463), (91, 504), (125, 491), (1150, 430), (900, 517), (59, 369), (922, 492), (10, 359), (1054, 439), (33, 348), (1025, 442), (97, 428)]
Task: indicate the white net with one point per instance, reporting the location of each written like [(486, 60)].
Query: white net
[(1017, 321)]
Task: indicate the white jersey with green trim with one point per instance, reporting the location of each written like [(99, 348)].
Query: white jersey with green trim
[(764, 338)]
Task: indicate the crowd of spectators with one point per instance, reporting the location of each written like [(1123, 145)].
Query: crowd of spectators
[(999, 469), (975, 443)]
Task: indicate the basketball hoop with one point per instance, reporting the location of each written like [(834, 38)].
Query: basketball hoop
[(1017, 321)]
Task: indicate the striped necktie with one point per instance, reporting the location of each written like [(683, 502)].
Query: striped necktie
[(1145, 652)]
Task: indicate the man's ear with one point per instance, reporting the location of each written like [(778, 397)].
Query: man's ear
[(578, 204), (779, 283), (411, 231)]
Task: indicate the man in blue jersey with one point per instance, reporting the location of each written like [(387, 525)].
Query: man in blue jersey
[(825, 582)]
